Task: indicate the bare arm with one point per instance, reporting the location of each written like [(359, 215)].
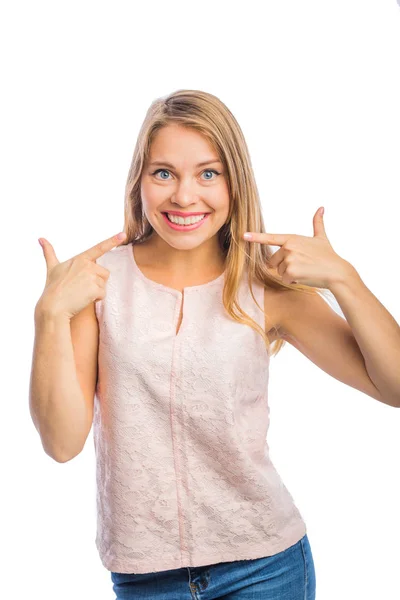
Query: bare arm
[(56, 401), (64, 364)]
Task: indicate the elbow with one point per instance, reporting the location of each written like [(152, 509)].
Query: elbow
[(60, 457)]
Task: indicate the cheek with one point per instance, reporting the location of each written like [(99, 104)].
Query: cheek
[(218, 197), (151, 196), (221, 204)]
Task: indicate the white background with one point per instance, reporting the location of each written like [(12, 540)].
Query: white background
[(315, 88)]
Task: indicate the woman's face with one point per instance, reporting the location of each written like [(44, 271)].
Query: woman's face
[(178, 183)]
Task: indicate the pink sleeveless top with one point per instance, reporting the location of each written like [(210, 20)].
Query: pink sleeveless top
[(183, 471)]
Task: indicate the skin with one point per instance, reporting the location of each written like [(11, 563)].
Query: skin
[(189, 189)]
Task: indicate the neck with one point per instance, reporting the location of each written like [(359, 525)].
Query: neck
[(208, 258)]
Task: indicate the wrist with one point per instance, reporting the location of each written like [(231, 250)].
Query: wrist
[(45, 311), (345, 276)]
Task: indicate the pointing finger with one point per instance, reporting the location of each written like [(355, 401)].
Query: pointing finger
[(102, 247), (273, 239)]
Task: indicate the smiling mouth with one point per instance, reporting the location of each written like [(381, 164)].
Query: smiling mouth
[(185, 215), (179, 225), (178, 220)]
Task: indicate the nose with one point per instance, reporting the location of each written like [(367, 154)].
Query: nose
[(185, 194)]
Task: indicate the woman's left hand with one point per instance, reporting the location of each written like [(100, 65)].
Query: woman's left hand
[(307, 260)]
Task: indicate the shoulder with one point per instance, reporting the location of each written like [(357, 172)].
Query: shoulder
[(284, 307), (276, 306), (297, 310)]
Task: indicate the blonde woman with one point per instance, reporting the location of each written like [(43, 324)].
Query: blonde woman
[(162, 339)]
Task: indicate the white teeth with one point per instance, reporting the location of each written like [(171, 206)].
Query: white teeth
[(186, 221)]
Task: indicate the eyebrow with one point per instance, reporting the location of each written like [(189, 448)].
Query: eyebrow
[(206, 162)]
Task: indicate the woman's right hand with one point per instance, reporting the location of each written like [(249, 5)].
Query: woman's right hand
[(75, 283)]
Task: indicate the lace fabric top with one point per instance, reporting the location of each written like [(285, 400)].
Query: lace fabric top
[(183, 472)]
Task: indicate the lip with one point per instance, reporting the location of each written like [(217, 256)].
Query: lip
[(179, 213), (185, 227)]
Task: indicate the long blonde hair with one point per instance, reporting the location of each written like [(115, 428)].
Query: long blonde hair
[(208, 115)]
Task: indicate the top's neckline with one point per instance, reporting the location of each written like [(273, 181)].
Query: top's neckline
[(161, 286)]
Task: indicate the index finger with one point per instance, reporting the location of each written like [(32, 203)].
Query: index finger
[(102, 247), (272, 239)]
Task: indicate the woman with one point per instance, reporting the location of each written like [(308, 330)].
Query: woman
[(172, 332)]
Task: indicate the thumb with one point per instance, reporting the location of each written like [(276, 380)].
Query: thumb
[(318, 223), (49, 254)]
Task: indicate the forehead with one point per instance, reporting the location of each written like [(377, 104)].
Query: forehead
[(174, 142)]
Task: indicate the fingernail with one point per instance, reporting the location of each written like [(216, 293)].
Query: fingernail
[(247, 236), (40, 242), (121, 235)]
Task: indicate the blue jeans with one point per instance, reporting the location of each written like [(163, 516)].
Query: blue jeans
[(288, 575)]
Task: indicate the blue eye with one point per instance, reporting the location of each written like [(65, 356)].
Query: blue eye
[(205, 171)]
